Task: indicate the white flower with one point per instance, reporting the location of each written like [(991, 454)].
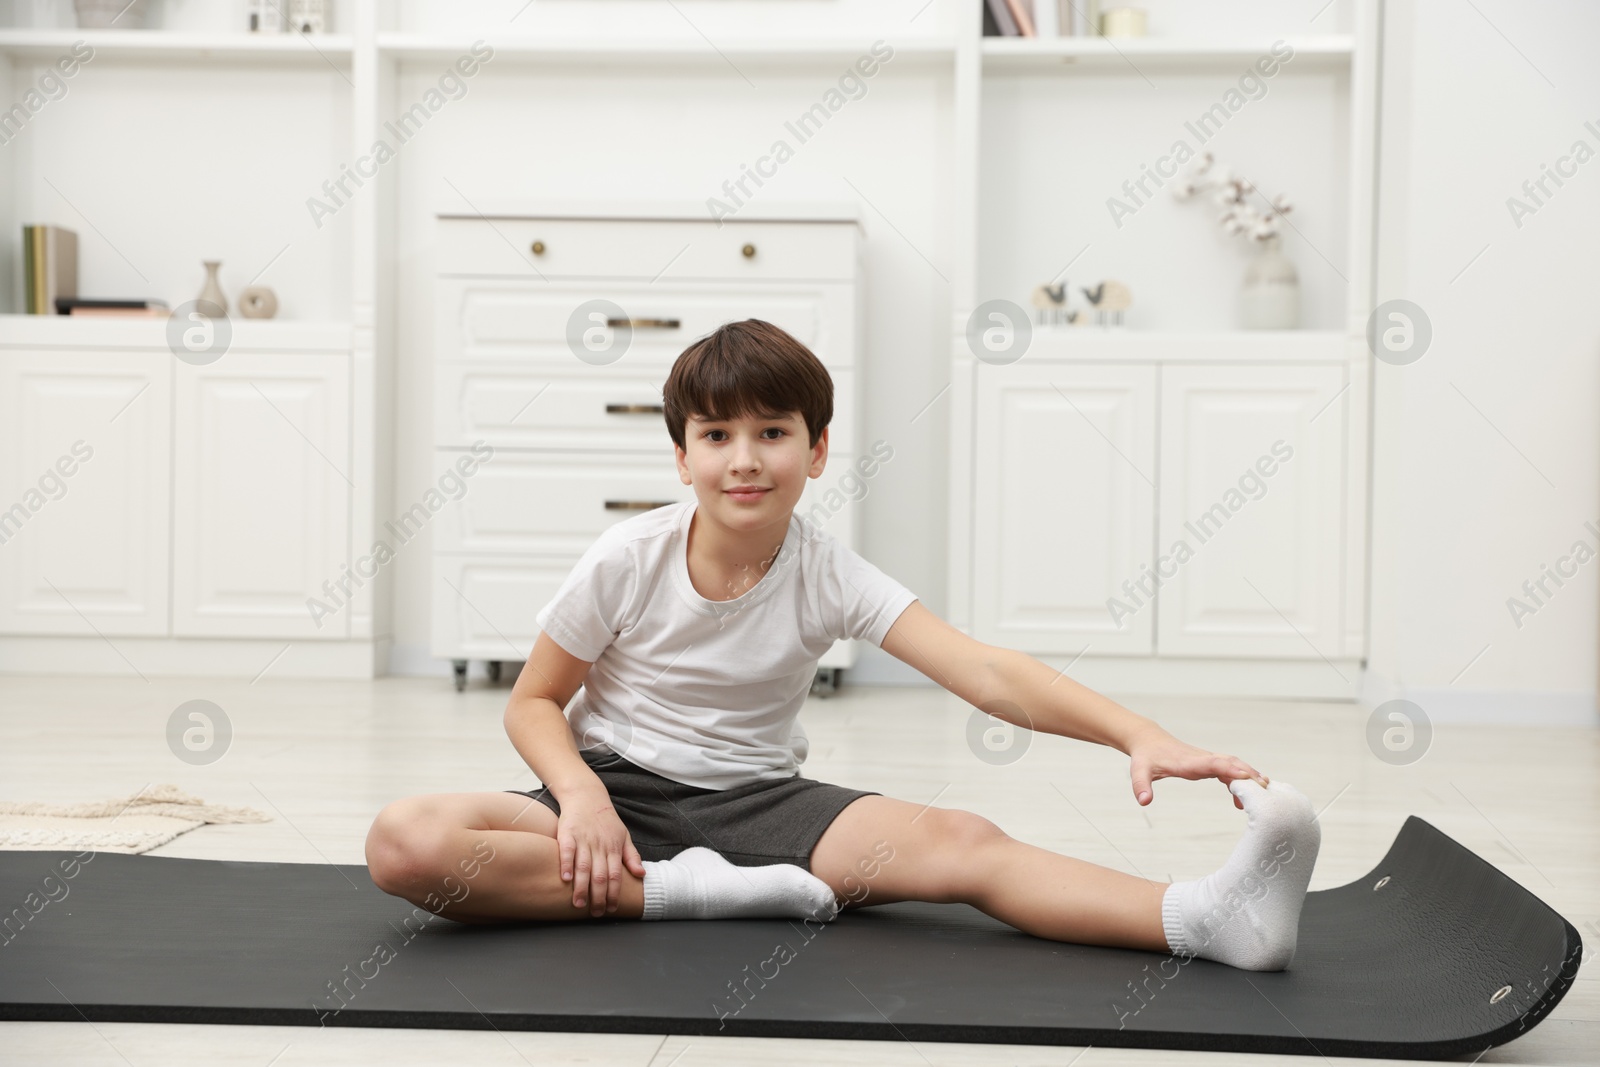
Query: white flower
[(1233, 192)]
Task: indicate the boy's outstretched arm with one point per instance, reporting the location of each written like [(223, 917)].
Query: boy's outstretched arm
[(1015, 687)]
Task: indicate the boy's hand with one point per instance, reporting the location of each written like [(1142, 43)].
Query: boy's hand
[(1157, 754), (594, 846)]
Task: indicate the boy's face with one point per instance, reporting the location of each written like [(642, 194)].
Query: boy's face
[(771, 454)]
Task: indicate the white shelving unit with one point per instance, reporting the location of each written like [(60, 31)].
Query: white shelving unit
[(281, 115), (1135, 424), (196, 544)]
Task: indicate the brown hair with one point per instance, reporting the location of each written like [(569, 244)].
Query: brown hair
[(747, 368)]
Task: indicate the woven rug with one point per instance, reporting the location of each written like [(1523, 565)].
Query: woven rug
[(138, 823)]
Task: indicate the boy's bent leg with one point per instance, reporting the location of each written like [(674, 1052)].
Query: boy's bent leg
[(480, 857), (880, 850)]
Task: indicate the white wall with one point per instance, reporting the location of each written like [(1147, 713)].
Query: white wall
[(1485, 453)]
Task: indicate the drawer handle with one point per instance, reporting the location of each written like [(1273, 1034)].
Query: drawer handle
[(645, 324), (538, 248), (637, 505), (749, 251), (636, 409)]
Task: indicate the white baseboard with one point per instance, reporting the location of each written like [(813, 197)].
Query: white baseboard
[(1508, 707), (193, 657), (418, 661), (412, 660)]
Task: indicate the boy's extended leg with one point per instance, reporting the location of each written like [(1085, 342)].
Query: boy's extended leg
[(947, 855), (481, 857), (1245, 914)]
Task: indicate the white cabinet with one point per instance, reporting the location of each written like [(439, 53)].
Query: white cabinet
[(1173, 511), (1064, 504), (84, 492), (260, 496), (143, 496), (578, 437)]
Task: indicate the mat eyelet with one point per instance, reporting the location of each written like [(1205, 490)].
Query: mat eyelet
[(1499, 994), (1381, 883)]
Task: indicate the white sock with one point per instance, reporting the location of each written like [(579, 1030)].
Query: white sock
[(698, 883), (1247, 914)]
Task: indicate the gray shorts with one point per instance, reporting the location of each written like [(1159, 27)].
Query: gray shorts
[(751, 825)]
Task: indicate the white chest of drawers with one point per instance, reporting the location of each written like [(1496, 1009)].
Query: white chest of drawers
[(522, 364)]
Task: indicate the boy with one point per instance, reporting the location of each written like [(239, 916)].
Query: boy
[(674, 791)]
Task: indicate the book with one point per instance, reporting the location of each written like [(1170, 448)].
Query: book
[(1046, 20), (1005, 25), (1021, 12), (71, 305), (49, 266), (162, 312), (1088, 19)]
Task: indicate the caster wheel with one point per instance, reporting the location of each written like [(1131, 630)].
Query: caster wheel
[(493, 667), (460, 666), (826, 682)]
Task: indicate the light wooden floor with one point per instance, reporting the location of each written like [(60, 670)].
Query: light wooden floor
[(323, 757)]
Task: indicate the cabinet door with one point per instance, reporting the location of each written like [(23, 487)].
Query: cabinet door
[(262, 496), (1064, 507), (1251, 522), (84, 492)]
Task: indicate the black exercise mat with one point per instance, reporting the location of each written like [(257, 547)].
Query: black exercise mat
[(1447, 957)]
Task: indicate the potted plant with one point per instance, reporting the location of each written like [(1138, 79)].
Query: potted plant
[(1269, 298)]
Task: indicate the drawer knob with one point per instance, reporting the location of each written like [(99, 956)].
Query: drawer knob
[(749, 251), (635, 409), (538, 248), (637, 505)]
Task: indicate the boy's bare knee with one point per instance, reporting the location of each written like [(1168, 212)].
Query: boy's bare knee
[(945, 860), (964, 837), (407, 851), (958, 829)]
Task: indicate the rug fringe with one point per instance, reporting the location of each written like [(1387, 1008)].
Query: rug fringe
[(159, 800)]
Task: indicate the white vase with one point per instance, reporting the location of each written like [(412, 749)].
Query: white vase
[(213, 302), (1270, 296)]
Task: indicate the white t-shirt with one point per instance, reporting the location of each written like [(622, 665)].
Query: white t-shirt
[(706, 692)]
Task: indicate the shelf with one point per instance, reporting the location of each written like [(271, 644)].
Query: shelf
[(686, 51), (1112, 344), (1032, 54), (684, 210), (88, 331), (292, 49), (287, 49)]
